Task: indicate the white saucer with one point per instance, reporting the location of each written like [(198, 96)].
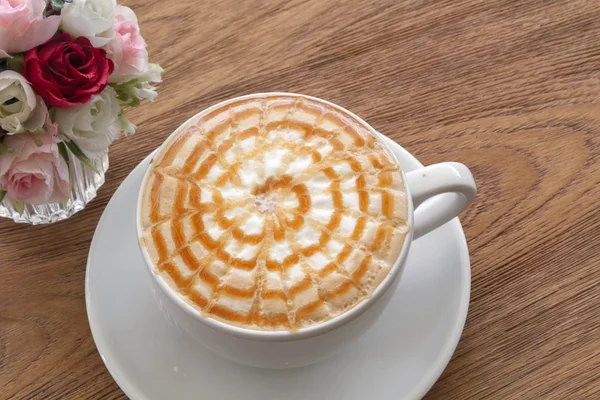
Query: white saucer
[(401, 357)]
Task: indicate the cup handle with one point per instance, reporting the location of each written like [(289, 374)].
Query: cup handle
[(439, 193)]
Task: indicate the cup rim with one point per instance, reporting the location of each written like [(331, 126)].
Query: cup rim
[(283, 335)]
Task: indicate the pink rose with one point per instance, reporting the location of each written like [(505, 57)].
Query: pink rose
[(22, 25), (127, 49), (31, 173)]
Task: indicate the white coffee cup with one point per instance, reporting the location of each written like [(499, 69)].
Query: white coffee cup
[(437, 194)]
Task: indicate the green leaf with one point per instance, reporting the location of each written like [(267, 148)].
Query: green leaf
[(52, 112), (16, 63), (62, 150), (127, 92), (81, 155), (55, 6), (127, 127), (123, 97), (20, 207), (2, 194), (135, 102)]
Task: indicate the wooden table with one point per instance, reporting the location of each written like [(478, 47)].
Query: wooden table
[(510, 88)]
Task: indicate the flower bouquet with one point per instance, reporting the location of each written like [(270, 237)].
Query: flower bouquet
[(68, 70)]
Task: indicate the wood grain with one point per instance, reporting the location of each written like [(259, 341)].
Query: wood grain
[(510, 88)]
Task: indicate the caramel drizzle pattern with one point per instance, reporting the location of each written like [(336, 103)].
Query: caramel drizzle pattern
[(188, 189)]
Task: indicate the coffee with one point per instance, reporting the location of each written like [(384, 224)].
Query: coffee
[(274, 213)]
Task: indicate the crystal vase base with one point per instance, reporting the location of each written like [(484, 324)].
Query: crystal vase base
[(85, 183)]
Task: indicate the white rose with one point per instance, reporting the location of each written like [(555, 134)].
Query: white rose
[(20, 108), (93, 19), (93, 126)]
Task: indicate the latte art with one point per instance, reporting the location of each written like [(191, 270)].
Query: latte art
[(274, 213)]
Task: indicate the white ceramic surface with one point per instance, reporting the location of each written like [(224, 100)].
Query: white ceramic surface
[(444, 190), (400, 357)]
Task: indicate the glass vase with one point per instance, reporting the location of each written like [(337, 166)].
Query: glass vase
[(84, 181)]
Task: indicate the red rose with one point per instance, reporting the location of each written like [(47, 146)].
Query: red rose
[(67, 72)]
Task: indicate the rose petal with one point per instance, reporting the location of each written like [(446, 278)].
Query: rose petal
[(66, 72), (23, 26)]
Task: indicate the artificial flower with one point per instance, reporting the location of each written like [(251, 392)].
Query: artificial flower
[(32, 169), (23, 26), (132, 92), (92, 19), (66, 72), (128, 48), (20, 108), (93, 126)]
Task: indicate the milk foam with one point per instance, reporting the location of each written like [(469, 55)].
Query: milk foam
[(275, 213)]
